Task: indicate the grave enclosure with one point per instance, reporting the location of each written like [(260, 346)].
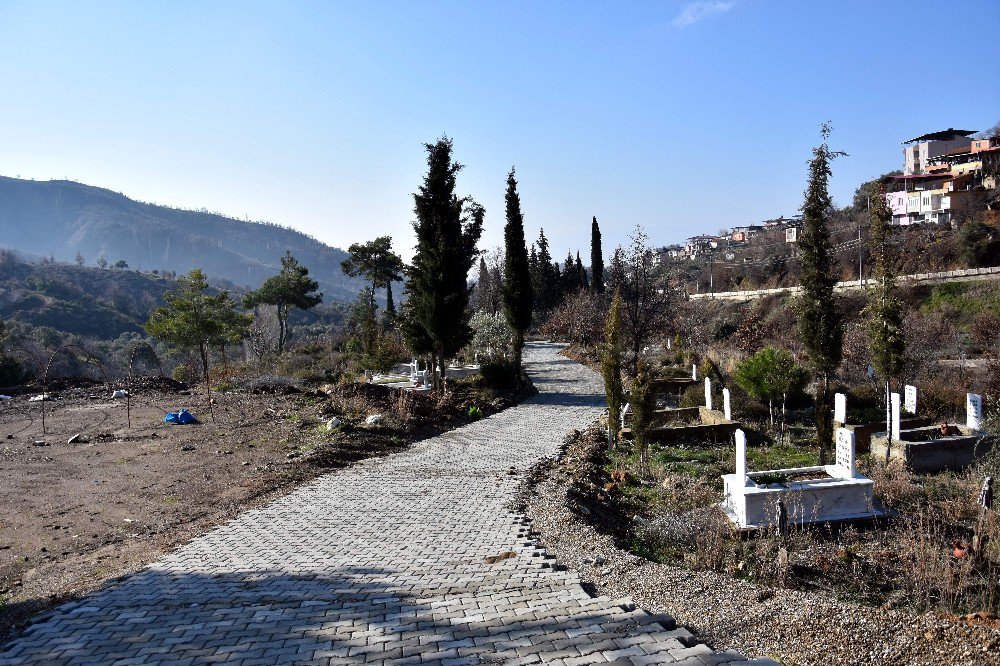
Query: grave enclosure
[(816, 494), (674, 424), (929, 447)]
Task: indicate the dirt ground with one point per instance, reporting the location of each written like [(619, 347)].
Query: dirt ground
[(75, 515)]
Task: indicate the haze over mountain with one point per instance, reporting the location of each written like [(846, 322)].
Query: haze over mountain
[(59, 218)]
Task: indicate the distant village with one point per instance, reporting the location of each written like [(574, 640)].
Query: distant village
[(943, 172)]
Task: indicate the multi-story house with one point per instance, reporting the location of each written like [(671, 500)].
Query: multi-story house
[(942, 171), (698, 244)]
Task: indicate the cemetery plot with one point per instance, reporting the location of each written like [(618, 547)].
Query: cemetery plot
[(927, 447), (807, 494), (686, 424), (856, 526)]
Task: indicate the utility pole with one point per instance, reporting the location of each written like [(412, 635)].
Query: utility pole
[(861, 246)]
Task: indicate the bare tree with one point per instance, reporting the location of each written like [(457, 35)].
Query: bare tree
[(645, 296), (263, 334)]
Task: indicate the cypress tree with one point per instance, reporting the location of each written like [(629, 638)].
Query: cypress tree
[(547, 276), (570, 279), (581, 274), (885, 324), (616, 276), (518, 294), (611, 366), (447, 229), (820, 326), (596, 259), (496, 289), (483, 286)]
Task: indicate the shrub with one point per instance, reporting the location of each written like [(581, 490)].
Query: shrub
[(11, 372), (183, 373), (499, 373)]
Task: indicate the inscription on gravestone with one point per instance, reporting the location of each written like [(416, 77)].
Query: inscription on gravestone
[(973, 411), (845, 451), (910, 399)]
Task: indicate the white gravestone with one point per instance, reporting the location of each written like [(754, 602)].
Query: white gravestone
[(694, 372), (726, 409), (840, 408), (708, 393), (626, 410), (973, 411), (910, 399), (741, 456), (845, 452), (894, 398), (668, 343)]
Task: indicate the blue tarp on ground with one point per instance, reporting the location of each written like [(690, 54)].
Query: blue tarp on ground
[(182, 417)]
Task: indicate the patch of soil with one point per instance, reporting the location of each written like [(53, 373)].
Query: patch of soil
[(74, 516)]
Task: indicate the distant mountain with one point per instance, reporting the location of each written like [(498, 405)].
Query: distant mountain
[(59, 218)]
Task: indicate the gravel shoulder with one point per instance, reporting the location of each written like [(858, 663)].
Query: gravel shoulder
[(789, 626)]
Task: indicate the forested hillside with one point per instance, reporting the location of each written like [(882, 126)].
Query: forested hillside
[(98, 303), (60, 219)]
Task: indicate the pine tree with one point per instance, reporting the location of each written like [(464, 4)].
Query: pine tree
[(376, 262), (197, 321), (820, 326), (611, 366), (291, 288), (518, 295), (885, 324), (447, 229), (596, 259)]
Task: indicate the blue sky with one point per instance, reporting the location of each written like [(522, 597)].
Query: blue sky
[(682, 117)]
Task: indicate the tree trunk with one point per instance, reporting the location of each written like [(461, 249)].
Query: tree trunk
[(824, 430), (203, 350), (888, 421), (282, 327), (518, 349), (784, 399)]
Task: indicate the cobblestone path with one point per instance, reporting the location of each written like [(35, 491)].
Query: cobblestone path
[(393, 561)]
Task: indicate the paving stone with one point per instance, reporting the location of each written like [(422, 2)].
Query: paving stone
[(381, 563)]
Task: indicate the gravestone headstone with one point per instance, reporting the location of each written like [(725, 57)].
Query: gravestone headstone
[(910, 399), (741, 456), (626, 410), (846, 458), (840, 408), (694, 372), (668, 343), (708, 392), (726, 409), (894, 416), (973, 411), (986, 493)]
